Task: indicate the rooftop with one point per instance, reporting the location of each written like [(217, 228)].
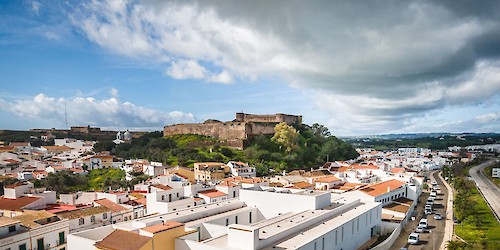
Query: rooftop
[(327, 179), (111, 205), (163, 187), (123, 240), (212, 193), (6, 221), (16, 204), (377, 189), (83, 212), (162, 227), (29, 218)]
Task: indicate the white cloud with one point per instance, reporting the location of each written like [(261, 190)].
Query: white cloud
[(108, 113), (186, 69), (35, 7), (371, 73)]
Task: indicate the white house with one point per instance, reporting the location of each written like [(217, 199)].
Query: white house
[(241, 169)]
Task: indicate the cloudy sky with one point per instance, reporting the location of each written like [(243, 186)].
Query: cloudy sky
[(358, 67)]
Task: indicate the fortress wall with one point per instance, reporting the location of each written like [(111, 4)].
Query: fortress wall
[(224, 131), (254, 129), (289, 119)]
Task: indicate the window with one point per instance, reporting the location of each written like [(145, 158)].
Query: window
[(250, 217), (12, 229), (39, 244), (177, 195), (104, 215), (62, 239), (22, 246), (81, 221), (234, 193), (169, 197), (12, 214), (227, 222), (236, 219), (92, 219), (163, 197)]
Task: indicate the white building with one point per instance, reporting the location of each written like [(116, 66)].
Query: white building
[(33, 230), (241, 169), (495, 173), (267, 218)]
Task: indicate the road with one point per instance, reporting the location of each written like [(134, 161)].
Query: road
[(433, 237), (490, 191)]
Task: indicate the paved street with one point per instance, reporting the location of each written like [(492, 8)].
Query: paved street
[(433, 237), (490, 191)]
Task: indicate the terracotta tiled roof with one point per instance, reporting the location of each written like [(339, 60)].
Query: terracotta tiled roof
[(162, 226), (19, 144), (212, 193), (141, 201), (6, 221), (302, 185), (111, 205), (7, 149), (397, 170), (227, 184), (327, 179), (75, 214), (16, 204), (397, 207), (382, 187), (123, 240), (29, 217), (163, 187)]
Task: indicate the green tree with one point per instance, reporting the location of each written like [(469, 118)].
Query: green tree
[(287, 136)]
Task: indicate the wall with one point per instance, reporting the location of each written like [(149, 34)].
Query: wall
[(387, 243), (290, 119), (267, 202)]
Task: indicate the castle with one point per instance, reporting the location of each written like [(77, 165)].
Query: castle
[(235, 133)]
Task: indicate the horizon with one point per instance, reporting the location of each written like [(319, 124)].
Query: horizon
[(401, 68)]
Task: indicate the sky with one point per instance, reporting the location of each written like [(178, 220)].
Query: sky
[(357, 67)]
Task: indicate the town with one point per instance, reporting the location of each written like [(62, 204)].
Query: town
[(371, 201)]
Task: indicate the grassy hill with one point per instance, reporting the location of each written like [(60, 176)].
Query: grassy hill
[(313, 146)]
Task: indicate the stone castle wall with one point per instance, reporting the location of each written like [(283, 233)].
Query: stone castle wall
[(219, 130), (235, 133), (289, 119)]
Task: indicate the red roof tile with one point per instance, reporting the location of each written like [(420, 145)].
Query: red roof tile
[(16, 204), (123, 240), (111, 205), (212, 193), (162, 226)]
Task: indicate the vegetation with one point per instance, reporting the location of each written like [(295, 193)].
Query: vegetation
[(478, 226), (440, 142), (300, 147)]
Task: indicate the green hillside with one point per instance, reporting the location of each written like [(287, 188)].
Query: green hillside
[(300, 147)]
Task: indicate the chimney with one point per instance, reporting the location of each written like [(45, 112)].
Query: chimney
[(388, 189)]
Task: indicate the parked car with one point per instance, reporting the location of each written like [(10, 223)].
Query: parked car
[(438, 216), (420, 229), (414, 238), (428, 211)]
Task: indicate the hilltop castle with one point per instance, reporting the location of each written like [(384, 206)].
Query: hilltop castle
[(235, 133)]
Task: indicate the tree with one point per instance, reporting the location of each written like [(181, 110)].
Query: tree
[(287, 136)]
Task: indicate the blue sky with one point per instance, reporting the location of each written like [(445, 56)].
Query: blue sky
[(358, 68)]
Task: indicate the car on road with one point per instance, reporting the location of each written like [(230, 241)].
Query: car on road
[(434, 183), (414, 238), (423, 223), (438, 216), (420, 229), (428, 211)]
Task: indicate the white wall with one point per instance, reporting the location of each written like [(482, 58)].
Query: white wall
[(272, 204)]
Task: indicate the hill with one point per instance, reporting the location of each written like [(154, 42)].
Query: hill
[(312, 146)]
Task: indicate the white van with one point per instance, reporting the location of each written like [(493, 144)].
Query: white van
[(423, 223), (433, 194), (413, 238)]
